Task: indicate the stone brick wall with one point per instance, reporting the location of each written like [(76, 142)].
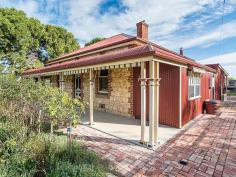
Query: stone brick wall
[(69, 85), (55, 81), (119, 100)]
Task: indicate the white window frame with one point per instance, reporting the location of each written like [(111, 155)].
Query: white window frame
[(194, 79), (99, 76)]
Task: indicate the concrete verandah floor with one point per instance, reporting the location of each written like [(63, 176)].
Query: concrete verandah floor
[(125, 127)]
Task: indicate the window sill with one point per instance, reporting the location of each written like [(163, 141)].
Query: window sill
[(104, 95), (194, 98)]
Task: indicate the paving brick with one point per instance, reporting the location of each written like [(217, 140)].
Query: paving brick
[(206, 144)]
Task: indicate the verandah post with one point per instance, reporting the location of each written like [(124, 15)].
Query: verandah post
[(61, 82), (151, 103), (143, 102), (156, 101), (91, 85)]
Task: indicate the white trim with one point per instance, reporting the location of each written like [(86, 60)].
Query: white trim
[(91, 86), (169, 63), (192, 82), (198, 70), (194, 98), (143, 102)]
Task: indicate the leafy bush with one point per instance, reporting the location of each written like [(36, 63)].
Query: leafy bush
[(37, 155), (25, 151), (33, 103)]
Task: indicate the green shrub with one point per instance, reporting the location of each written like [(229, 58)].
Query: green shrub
[(38, 155)]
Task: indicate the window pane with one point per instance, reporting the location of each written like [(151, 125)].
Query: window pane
[(103, 84), (191, 91), (197, 90)]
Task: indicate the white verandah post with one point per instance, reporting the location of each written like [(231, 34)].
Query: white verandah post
[(151, 103), (156, 101), (61, 82), (91, 85), (143, 102)]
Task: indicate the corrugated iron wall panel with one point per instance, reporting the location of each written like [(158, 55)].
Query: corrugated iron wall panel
[(169, 95)]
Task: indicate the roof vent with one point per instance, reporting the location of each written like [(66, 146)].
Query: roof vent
[(142, 30)]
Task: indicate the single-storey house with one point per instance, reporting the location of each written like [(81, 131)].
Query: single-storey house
[(221, 81), (135, 78)]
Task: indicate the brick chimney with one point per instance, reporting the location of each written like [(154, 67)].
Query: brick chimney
[(181, 51), (142, 30)]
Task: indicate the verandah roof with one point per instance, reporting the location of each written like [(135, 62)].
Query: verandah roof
[(141, 51)]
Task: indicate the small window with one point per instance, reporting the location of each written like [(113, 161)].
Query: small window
[(103, 81), (194, 85)]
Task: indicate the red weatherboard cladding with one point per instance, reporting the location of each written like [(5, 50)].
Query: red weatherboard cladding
[(169, 95), (193, 108)]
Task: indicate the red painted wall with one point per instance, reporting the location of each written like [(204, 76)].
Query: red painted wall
[(169, 95), (220, 81), (137, 92), (193, 108)]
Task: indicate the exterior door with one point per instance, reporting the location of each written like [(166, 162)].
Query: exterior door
[(77, 86)]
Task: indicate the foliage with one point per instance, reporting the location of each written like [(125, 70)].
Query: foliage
[(231, 94), (24, 40), (37, 155), (58, 41), (26, 99), (24, 151), (95, 40)]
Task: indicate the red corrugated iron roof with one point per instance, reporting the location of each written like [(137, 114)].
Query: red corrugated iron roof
[(157, 50), (120, 38), (217, 65), (140, 51)]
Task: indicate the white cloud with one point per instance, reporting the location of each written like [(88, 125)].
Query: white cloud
[(223, 32), (228, 61), (165, 18)]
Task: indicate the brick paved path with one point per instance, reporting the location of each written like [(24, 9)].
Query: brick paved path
[(208, 145)]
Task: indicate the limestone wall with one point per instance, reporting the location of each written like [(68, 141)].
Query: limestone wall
[(69, 85), (119, 99), (54, 81)]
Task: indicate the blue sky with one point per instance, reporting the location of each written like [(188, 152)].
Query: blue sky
[(206, 29)]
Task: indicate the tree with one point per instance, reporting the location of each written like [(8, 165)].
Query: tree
[(26, 42), (58, 41), (95, 40)]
